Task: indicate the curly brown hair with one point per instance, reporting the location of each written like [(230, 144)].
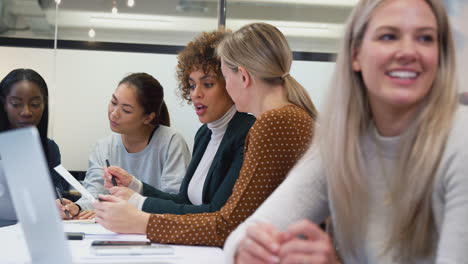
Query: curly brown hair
[(199, 54)]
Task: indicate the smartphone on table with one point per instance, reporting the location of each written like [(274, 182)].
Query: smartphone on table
[(115, 247), (100, 243)]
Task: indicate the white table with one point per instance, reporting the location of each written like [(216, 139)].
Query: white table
[(13, 249)]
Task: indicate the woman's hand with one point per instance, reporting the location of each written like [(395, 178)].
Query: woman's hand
[(261, 245), (122, 177), (305, 242), (123, 193), (72, 208), (119, 216), (88, 214)]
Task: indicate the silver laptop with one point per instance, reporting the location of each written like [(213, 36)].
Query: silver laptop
[(30, 188), (7, 211)]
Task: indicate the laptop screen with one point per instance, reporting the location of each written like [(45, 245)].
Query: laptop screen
[(7, 211), (31, 190)]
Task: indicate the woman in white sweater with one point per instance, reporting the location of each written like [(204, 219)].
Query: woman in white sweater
[(389, 164)]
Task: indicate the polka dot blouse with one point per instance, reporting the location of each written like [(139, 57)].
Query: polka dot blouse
[(273, 145)]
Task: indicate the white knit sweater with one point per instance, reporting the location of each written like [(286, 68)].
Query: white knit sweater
[(304, 194)]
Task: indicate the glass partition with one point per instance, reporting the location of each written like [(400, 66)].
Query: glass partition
[(168, 22), (309, 25), (101, 41), (25, 19)]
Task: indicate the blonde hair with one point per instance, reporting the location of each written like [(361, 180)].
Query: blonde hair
[(263, 51), (345, 120)]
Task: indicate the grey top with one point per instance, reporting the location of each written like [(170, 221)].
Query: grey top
[(161, 164), (304, 194)]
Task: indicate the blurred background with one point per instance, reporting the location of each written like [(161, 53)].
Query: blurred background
[(83, 48), (458, 11), (310, 25)]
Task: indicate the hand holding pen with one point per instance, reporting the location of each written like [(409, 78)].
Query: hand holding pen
[(121, 177), (114, 182), (60, 198)]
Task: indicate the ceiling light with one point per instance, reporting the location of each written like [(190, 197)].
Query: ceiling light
[(141, 22), (91, 33), (338, 3), (130, 3), (58, 2), (114, 10), (304, 27)]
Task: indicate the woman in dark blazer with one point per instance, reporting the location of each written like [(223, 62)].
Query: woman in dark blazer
[(221, 177), (219, 144)]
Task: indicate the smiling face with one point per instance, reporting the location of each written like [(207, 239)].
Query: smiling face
[(126, 115), (209, 96), (399, 54), (24, 104)]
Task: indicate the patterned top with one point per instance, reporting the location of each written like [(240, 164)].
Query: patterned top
[(274, 144)]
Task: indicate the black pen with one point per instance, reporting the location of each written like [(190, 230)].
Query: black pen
[(114, 182), (59, 194)]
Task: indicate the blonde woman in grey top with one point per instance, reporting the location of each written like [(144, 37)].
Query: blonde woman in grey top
[(389, 164)]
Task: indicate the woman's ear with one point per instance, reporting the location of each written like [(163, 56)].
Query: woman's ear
[(245, 76), (356, 64), (149, 118)]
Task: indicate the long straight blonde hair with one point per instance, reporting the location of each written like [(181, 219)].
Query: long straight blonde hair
[(263, 51), (344, 122)]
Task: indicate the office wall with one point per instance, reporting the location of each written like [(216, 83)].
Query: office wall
[(85, 80), (458, 12)]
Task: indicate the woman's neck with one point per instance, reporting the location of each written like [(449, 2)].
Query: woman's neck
[(136, 142), (392, 122), (268, 97), (223, 120)]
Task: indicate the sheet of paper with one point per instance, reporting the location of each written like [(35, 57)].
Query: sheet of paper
[(84, 221), (13, 249), (73, 182), (88, 229)]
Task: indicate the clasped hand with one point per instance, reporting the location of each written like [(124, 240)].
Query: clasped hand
[(119, 216), (303, 242)]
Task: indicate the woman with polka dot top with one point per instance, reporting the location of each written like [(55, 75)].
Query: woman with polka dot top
[(255, 61)]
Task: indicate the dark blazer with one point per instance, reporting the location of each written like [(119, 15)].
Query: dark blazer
[(222, 175)]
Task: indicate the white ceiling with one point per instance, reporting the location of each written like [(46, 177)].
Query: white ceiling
[(309, 25)]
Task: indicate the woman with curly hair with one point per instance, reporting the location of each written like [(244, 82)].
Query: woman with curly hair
[(219, 143)]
